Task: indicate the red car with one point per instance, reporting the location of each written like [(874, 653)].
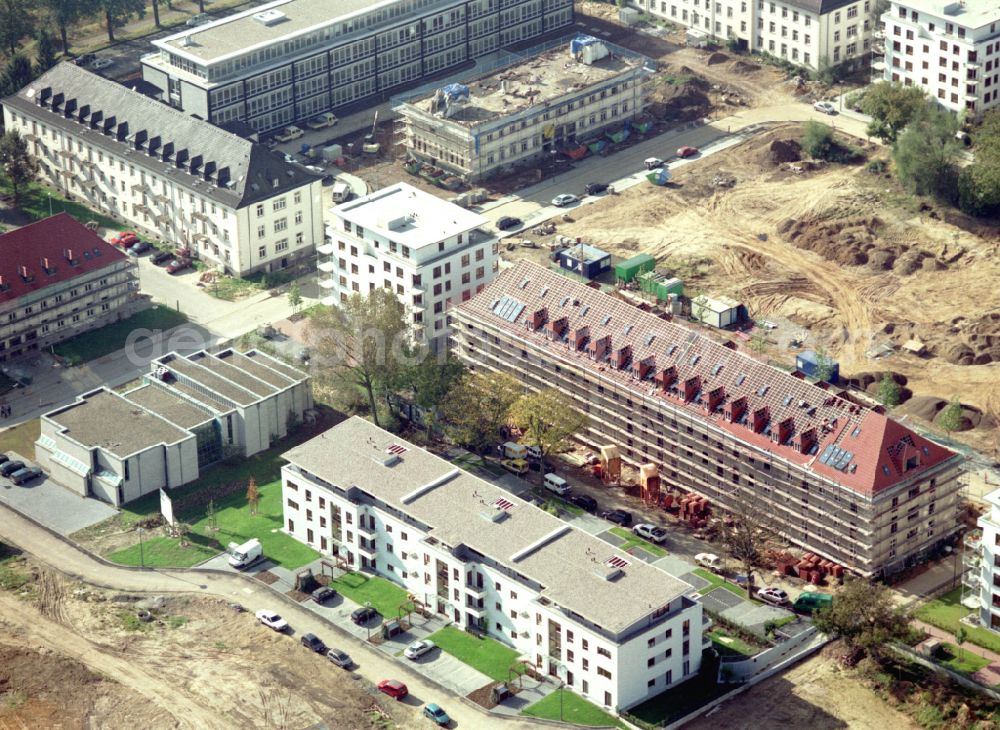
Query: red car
[(394, 688), (687, 151), (177, 265), (124, 239)]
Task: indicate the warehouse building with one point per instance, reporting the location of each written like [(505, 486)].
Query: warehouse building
[(529, 109), (832, 476), (287, 61), (190, 412), (613, 628)]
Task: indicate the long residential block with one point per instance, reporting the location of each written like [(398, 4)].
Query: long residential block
[(826, 473)]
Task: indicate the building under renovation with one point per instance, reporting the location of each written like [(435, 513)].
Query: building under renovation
[(577, 92), (828, 474)]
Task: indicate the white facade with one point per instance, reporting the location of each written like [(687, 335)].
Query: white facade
[(385, 506), (951, 50), (985, 573), (430, 252), (810, 33)]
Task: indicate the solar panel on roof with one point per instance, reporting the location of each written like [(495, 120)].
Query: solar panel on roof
[(856, 432), (508, 308), (825, 456)]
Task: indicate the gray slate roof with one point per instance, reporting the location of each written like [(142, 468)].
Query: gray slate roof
[(250, 168)]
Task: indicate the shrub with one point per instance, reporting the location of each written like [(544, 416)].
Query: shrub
[(817, 140)]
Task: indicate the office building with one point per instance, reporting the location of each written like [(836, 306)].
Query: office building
[(614, 628), (826, 473), (287, 61)]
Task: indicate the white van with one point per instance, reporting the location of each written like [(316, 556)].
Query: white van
[(557, 484), (534, 452), (514, 450)]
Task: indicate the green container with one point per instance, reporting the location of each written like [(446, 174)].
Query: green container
[(627, 270), (810, 602), (659, 286)]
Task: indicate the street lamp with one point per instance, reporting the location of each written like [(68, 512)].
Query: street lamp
[(142, 557)]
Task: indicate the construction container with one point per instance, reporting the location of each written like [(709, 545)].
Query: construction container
[(629, 269), (587, 261), (808, 363)]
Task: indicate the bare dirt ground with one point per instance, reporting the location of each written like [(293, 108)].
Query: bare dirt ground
[(72, 656), (815, 694)]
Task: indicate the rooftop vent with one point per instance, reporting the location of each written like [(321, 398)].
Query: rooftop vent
[(494, 514), (270, 17)]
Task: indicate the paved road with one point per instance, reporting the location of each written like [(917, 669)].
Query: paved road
[(373, 666)]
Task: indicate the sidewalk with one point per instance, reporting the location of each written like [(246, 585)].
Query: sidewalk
[(988, 675)]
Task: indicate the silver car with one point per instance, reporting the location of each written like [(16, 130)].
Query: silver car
[(565, 199), (340, 658)]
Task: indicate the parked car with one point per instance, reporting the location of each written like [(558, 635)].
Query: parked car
[(10, 467), (314, 643), (507, 222), (124, 239), (515, 466), (327, 119), (565, 199), (316, 169), (363, 615), (23, 476), (86, 59), (775, 596), (162, 257), (323, 594), (200, 19), (650, 532), (652, 163), (556, 484), (533, 452), (585, 502), (418, 648), (139, 247), (596, 188), (99, 63), (271, 620), (618, 516), (340, 658), (394, 688), (4, 458), (708, 560), (177, 265), (825, 106), (438, 715), (687, 151)]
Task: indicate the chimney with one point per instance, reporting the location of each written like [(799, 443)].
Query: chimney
[(580, 337), (642, 369), (691, 387), (736, 408), (68, 254), (623, 357), (715, 397), (600, 347), (666, 377), (806, 440), (23, 271), (785, 429), (558, 328), (3, 283), (760, 419), (539, 317)]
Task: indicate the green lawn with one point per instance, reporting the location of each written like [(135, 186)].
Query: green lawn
[(946, 612), (679, 701), (729, 645), (487, 655), (383, 595), (21, 438), (568, 706), (717, 582), (961, 659), (35, 203), (631, 540), (100, 342)]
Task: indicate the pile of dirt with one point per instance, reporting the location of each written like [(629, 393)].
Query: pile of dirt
[(929, 408), (870, 382), (785, 150), (742, 68), (716, 58), (846, 241), (978, 341), (680, 102)]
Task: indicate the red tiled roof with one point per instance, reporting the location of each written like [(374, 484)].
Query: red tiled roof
[(53, 239), (839, 440)]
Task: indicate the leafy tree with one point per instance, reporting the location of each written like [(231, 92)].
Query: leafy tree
[(817, 139), (213, 523), (925, 153), (960, 637), (294, 296), (950, 418), (17, 74), (699, 305), (45, 51), (429, 381), (65, 13), (16, 22), (824, 365), (362, 344), (17, 166), (863, 615), (987, 136), (549, 420), (758, 341), (979, 186), (253, 495), (118, 12), (744, 539), (477, 406), (891, 106), (888, 391)]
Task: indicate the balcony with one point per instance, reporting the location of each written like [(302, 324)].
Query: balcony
[(475, 590), (327, 284), (474, 608), (971, 580), (367, 548), (367, 531), (327, 267), (325, 249)]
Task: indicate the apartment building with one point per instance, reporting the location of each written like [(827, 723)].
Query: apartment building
[(615, 629), (428, 251), (189, 412), (810, 33), (235, 204), (526, 110), (290, 60), (57, 280), (982, 573), (831, 476), (949, 49)]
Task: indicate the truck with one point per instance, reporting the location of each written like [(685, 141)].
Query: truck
[(341, 192), (245, 555), (288, 134), (327, 119)]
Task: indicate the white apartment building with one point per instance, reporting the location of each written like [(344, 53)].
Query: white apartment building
[(234, 203), (985, 565), (290, 60), (949, 49), (808, 33), (613, 628), (526, 110), (430, 252)]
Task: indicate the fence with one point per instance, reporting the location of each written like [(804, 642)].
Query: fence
[(744, 670)]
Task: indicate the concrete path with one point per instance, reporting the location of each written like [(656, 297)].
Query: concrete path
[(53, 505), (988, 675)]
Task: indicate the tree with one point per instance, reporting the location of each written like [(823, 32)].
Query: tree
[(213, 523), (45, 51), (888, 391), (950, 418), (362, 344), (65, 13), (824, 365), (699, 305), (17, 166), (429, 382), (549, 420), (156, 13), (979, 186), (294, 296), (758, 341), (253, 496), (16, 22), (745, 537), (960, 637), (817, 139), (17, 74), (118, 12), (925, 154), (864, 616), (477, 407), (891, 106)]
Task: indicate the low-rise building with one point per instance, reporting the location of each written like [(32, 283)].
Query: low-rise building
[(529, 109), (949, 49), (177, 178), (983, 577), (57, 280), (614, 628), (428, 251), (825, 472), (190, 411)]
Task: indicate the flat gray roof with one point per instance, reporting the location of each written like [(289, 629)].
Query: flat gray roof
[(257, 368), (209, 379), (276, 364), (568, 563), (179, 411), (235, 374), (107, 420)]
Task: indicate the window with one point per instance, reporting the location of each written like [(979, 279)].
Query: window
[(280, 225), (278, 204), (262, 251), (601, 671), (260, 209)]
